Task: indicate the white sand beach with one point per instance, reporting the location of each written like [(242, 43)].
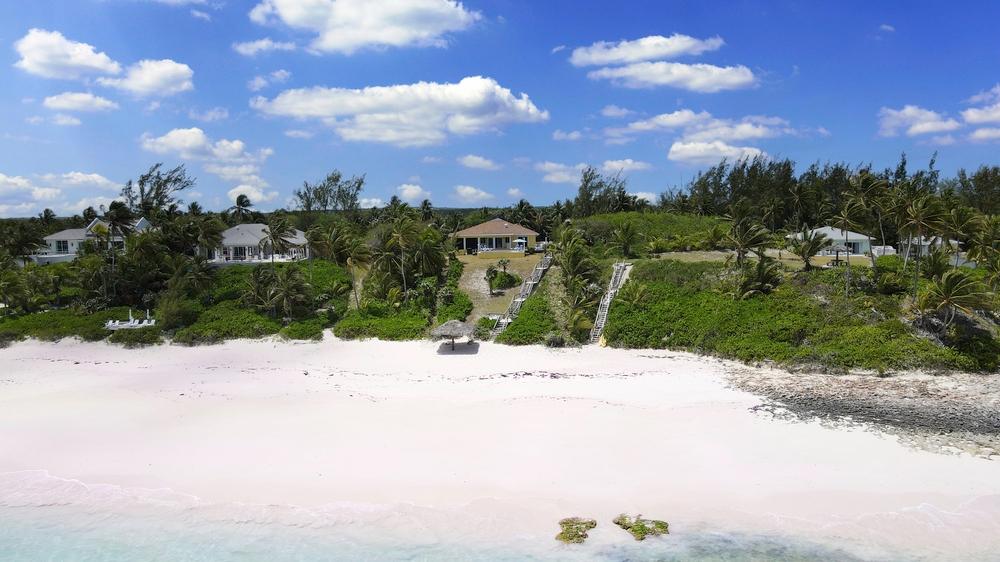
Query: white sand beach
[(507, 440)]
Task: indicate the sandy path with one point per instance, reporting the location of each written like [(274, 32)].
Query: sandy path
[(548, 433)]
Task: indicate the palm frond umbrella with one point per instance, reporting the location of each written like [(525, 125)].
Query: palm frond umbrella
[(837, 249), (452, 329)]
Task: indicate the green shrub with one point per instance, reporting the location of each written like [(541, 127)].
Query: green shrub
[(889, 263), (311, 329), (226, 320), (505, 280), (55, 325), (360, 324), (174, 311), (533, 323), (458, 309), (139, 337), (483, 327), (679, 230)]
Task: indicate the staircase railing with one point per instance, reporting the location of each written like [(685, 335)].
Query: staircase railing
[(617, 279), (527, 288)]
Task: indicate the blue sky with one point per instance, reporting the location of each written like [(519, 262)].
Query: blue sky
[(479, 102)]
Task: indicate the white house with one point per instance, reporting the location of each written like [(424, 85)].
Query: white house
[(65, 245), (924, 245), (855, 243), (245, 243)]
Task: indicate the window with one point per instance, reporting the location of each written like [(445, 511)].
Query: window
[(62, 246)]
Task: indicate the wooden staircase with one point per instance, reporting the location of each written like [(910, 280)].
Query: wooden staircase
[(527, 288), (618, 276)]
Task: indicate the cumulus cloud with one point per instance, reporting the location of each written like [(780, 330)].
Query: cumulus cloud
[(51, 55), (710, 152), (201, 15), (159, 78), (985, 134), (986, 114), (626, 165), (253, 48), (254, 193), (370, 202), (614, 111), (80, 179), (19, 196), (913, 120), (986, 96), (645, 195), (64, 120), (515, 193), (228, 159), (418, 114), (887, 28), (561, 135), (209, 115), (78, 101), (298, 134), (554, 172), (477, 162), (469, 194), (704, 78), (262, 81), (345, 26), (412, 192), (653, 47)]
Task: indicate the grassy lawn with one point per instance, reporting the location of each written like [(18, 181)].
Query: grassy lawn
[(474, 283)]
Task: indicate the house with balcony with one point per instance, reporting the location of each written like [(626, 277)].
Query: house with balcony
[(247, 243), (66, 245)]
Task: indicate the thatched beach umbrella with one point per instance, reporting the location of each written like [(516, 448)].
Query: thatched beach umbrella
[(452, 329), (837, 249)]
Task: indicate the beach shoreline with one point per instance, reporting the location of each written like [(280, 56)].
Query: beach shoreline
[(519, 436)]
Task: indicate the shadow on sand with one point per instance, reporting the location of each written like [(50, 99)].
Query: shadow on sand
[(461, 348)]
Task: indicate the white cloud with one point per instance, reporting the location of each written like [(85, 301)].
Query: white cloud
[(262, 81), (78, 101), (209, 115), (201, 15), (228, 159), (887, 28), (256, 194), (614, 111), (159, 78), (477, 162), (913, 120), (253, 48), (80, 179), (710, 152), (978, 115), (51, 55), (647, 195), (561, 135), (412, 192), (557, 49), (653, 47), (430, 160), (469, 194), (344, 26), (64, 120), (515, 193), (986, 96), (370, 202), (19, 196), (626, 165), (418, 114), (705, 78), (985, 134), (553, 172), (298, 134)]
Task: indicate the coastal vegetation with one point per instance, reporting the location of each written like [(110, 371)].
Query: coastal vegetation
[(728, 265), (574, 529), (640, 528)]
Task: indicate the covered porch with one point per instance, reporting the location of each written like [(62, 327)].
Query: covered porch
[(256, 254)]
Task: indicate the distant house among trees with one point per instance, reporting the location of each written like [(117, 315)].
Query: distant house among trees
[(495, 235), (65, 245), (248, 243)]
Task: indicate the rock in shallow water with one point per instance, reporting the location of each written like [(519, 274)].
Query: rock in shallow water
[(641, 528), (574, 529)]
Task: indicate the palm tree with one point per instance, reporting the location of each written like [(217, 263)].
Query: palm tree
[(845, 220), (921, 217), (489, 276), (257, 290), (426, 210), (503, 264), (624, 238), (758, 279), (807, 245), (289, 291), (208, 235), (960, 223), (936, 263), (47, 216), (864, 194), (242, 210), (955, 290), (745, 237), (358, 255), (12, 289), (277, 236), (403, 234)]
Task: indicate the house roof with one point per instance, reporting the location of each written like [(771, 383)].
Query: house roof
[(495, 227), (252, 233), (68, 234), (834, 234)]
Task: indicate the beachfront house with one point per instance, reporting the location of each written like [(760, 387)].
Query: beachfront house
[(66, 245), (922, 246), (247, 243), (856, 244), (495, 235)]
